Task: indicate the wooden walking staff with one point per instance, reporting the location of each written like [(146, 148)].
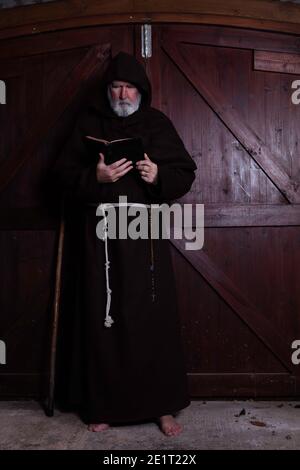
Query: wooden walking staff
[(49, 408)]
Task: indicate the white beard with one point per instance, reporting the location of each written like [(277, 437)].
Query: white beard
[(124, 108)]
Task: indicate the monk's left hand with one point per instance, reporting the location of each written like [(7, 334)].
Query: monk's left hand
[(148, 170)]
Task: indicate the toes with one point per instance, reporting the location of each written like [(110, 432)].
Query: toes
[(172, 430), (98, 427), (169, 426)]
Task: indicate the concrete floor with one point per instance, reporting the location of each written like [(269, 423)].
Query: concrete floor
[(207, 425)]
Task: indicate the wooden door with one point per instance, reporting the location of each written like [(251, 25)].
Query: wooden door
[(239, 296), (46, 80)]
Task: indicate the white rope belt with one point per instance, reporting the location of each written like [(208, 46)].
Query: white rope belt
[(108, 318)]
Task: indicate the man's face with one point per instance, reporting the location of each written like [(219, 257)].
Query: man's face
[(123, 97)]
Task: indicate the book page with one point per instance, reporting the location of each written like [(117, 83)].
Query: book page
[(97, 140), (120, 140)]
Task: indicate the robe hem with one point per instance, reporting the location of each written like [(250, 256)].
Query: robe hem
[(143, 417)]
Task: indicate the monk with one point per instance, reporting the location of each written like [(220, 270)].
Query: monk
[(132, 367)]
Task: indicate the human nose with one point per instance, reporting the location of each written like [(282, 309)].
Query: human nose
[(123, 93)]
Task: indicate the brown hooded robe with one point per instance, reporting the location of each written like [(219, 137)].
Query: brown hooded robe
[(133, 370)]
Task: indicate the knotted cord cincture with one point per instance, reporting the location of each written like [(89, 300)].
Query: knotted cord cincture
[(108, 318)]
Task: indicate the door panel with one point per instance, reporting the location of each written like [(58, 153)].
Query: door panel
[(238, 295), (47, 84)]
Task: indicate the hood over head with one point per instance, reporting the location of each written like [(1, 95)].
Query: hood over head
[(126, 68)]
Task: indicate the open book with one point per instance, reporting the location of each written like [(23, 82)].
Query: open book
[(130, 148)]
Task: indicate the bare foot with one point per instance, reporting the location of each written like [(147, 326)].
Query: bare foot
[(98, 427), (169, 426)]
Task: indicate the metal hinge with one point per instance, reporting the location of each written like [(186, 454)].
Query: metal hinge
[(146, 37)]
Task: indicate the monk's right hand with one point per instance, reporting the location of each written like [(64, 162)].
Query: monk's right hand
[(111, 173)]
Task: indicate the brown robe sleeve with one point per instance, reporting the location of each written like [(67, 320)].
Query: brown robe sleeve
[(176, 169)]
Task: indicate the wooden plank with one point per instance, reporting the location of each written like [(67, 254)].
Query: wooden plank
[(250, 215), (232, 37), (31, 385), (53, 42), (277, 62), (215, 215), (10, 68), (261, 14), (22, 385), (232, 119), (92, 62), (202, 34), (153, 18), (28, 218), (242, 385), (248, 313)]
